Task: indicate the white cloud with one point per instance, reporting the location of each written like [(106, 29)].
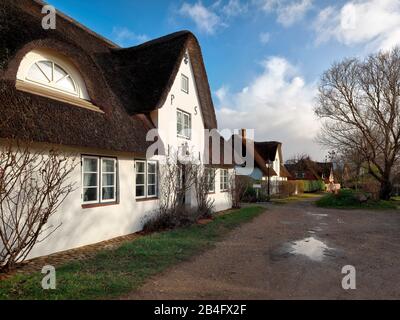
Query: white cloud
[(125, 37), (205, 19), (265, 37), (234, 8), (278, 104), (373, 23), (214, 17), (221, 93), (288, 11)]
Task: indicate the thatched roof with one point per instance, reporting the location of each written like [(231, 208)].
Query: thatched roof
[(127, 84), (268, 149), (311, 169), (260, 160)]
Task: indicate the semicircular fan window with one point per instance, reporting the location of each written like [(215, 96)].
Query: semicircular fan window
[(50, 74)]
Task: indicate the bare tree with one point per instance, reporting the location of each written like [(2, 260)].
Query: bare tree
[(204, 177), (238, 185), (360, 103), (33, 184), (177, 177)]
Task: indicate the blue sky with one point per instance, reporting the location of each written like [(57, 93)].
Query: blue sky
[(263, 57)]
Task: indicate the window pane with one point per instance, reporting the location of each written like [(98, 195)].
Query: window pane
[(108, 179), (90, 180), (89, 194), (151, 167), (59, 73), (108, 193), (185, 84), (89, 165), (47, 68), (151, 179), (140, 191), (139, 178), (140, 167), (108, 165), (179, 123), (35, 74), (67, 84), (151, 191)]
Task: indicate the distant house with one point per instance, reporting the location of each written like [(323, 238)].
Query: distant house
[(307, 169), (74, 90), (268, 162)]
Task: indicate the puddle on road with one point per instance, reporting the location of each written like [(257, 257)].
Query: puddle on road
[(318, 215), (310, 247)]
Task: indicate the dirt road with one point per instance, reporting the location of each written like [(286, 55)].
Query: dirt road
[(293, 251)]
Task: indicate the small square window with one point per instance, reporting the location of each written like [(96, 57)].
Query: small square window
[(185, 84)]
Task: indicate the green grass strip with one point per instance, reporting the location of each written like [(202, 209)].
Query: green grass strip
[(346, 199), (112, 273)]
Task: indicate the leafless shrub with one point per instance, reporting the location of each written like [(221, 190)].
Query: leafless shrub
[(178, 179), (33, 184), (238, 186), (203, 178)]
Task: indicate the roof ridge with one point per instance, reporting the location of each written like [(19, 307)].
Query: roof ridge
[(79, 25), (161, 39)]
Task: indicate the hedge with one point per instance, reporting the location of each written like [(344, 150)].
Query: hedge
[(313, 185)]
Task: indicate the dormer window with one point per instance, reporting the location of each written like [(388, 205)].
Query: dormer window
[(52, 75)]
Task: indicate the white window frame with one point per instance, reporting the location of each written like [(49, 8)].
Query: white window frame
[(35, 57), (224, 186), (156, 179), (90, 172), (186, 131), (52, 84), (146, 179), (115, 180), (99, 186), (185, 83)]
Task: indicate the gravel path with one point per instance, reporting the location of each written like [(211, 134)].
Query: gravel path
[(294, 251)]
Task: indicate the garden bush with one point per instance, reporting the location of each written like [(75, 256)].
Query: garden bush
[(250, 195), (181, 217)]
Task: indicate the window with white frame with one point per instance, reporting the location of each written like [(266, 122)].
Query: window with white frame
[(184, 124), (146, 179), (99, 177), (185, 83), (224, 180), (210, 178), (52, 75), (43, 69), (151, 179)]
